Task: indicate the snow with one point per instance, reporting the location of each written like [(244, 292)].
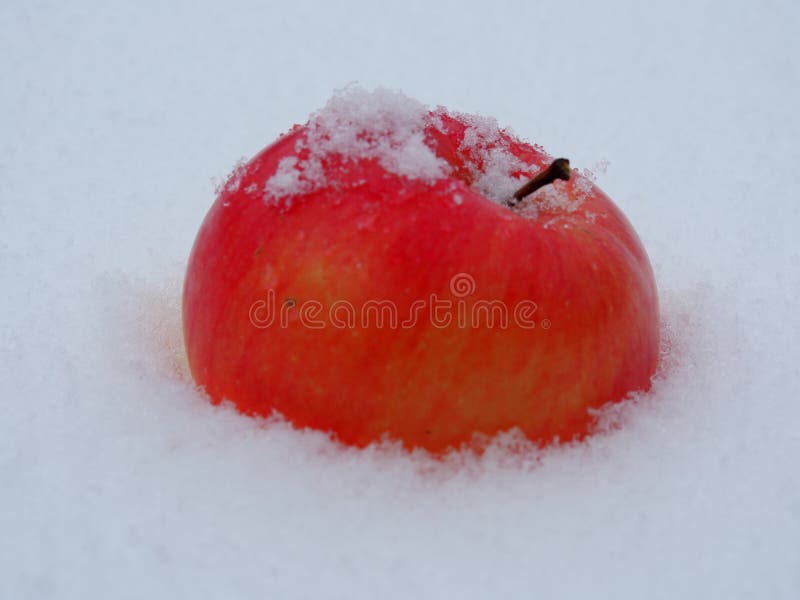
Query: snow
[(288, 180), (119, 479), (388, 126), (384, 125)]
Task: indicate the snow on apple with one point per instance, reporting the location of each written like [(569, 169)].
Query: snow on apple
[(389, 127)]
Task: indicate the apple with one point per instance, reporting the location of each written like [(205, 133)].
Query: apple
[(389, 271)]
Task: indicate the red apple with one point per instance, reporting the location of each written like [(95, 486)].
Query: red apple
[(371, 274)]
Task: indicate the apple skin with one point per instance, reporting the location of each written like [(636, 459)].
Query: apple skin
[(373, 235)]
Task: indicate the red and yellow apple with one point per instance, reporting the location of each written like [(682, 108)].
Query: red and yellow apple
[(371, 274)]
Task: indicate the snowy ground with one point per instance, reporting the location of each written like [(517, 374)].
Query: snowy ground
[(117, 479)]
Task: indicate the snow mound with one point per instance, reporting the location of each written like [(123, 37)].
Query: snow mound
[(383, 125)]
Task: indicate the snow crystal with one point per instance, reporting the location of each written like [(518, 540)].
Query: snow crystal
[(233, 181), (554, 197), (496, 180), (490, 160), (294, 177), (286, 179), (480, 132)]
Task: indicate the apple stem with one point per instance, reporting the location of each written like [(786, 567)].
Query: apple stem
[(558, 169)]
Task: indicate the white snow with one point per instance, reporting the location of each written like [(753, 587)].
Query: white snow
[(385, 125), (491, 163), (388, 126), (288, 180), (118, 479), (495, 180)]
